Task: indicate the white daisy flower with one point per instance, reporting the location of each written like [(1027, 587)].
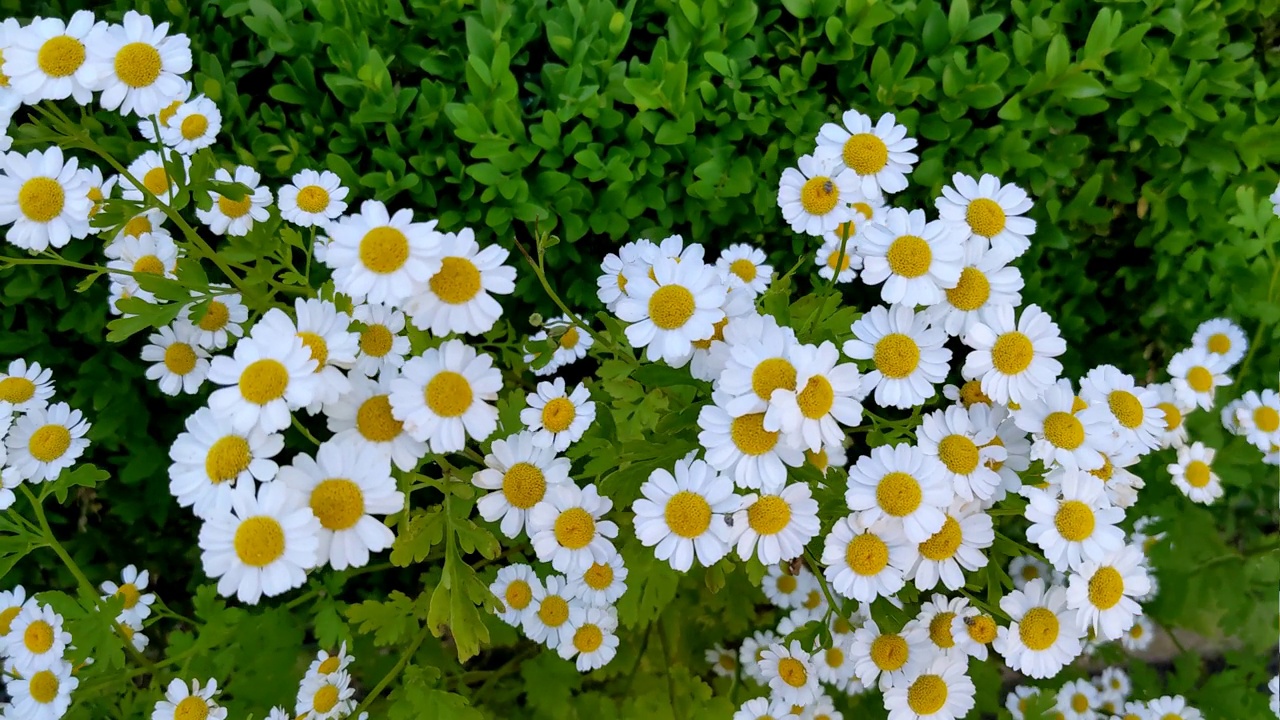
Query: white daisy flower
[(265, 378), (752, 651), (346, 485), (723, 662), (279, 713), (1043, 637), (26, 386), (681, 514), (814, 196), (954, 549), (44, 201), (147, 254), (1113, 681), (985, 282), (1172, 707), (1135, 417), (758, 362), (784, 589), (193, 127), (903, 485), (1192, 474), (44, 693), (362, 417), (131, 631), (567, 530), (824, 397), (828, 258), (382, 258), (235, 218), (1196, 374), (147, 125), (515, 587), (138, 64), (679, 304), (264, 545), (1062, 434), (933, 625), (1138, 638), (762, 708), (571, 344), (617, 269), (744, 266), (833, 665), (100, 189), (865, 560), (222, 320), (149, 169), (966, 394), (1221, 337), (916, 260), (789, 672), (556, 417), (1078, 700), (973, 631), (519, 473), (35, 640), (211, 458), (908, 354), (992, 214), (1019, 701), (325, 697), (827, 457), (326, 333), (443, 396), (775, 527), (1076, 526), (1015, 361), (589, 638), (12, 602), (180, 365), (1258, 418), (383, 346), (1013, 439), (1025, 568), (887, 657), (962, 440), (1103, 593), (44, 441), (456, 298), (878, 155), (601, 584), (548, 613), (9, 479), (137, 604), (812, 608), (312, 199), (1122, 486), (46, 60), (941, 691)]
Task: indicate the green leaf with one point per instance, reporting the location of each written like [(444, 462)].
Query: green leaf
[(1057, 57), (958, 18)]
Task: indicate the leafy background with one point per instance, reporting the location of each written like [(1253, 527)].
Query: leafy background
[(1147, 131)]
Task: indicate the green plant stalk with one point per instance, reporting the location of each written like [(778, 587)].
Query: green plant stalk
[(844, 242), (555, 298), (394, 672)]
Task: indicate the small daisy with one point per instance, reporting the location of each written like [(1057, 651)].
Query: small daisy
[(825, 397), (863, 560), (682, 514), (221, 319), (941, 691), (1193, 473), (1076, 526), (46, 60), (345, 486), (886, 656), (570, 344), (789, 672), (832, 456), (877, 154), (1258, 418), (137, 605), (616, 269), (149, 169), (147, 254), (44, 201), (1104, 594), (100, 189), (814, 196), (933, 625), (12, 602), (759, 361), (962, 441), (752, 651), (26, 386), (1122, 486), (519, 473), (785, 589), (1172, 707), (44, 694), (556, 417), (908, 354), (1196, 374), (1078, 700), (742, 449), (775, 527), (264, 545), (1135, 417), (566, 528), (362, 417), (723, 662), (679, 304), (829, 258), (1013, 439), (973, 631), (968, 394), (138, 65), (211, 458), (325, 697), (1015, 361), (745, 266), (589, 638), (1221, 337), (834, 664), (548, 612), (954, 549), (44, 441), (1025, 568), (515, 587), (916, 260), (992, 214), (380, 257), (180, 365), (312, 199), (985, 282), (326, 331), (1062, 434), (1138, 638), (1043, 637), (132, 632), (1114, 681), (235, 218), (147, 125), (456, 298), (601, 584), (193, 127), (762, 708), (905, 486), (265, 378), (35, 638), (443, 396), (383, 346)]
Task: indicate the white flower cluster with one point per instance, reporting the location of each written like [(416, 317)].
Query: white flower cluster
[(38, 440), (33, 644), (1102, 697)]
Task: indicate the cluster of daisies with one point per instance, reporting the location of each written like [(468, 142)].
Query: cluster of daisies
[(38, 677), (38, 440), (1102, 697)]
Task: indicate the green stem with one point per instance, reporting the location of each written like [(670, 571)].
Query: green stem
[(305, 432), (393, 672), (822, 580), (844, 242)]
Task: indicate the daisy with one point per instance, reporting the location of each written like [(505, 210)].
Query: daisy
[(829, 257), (382, 347), (789, 672), (759, 362), (933, 625), (36, 638), (865, 560), (212, 458), (601, 584), (265, 379), (1078, 700), (345, 486), (814, 196), (150, 170), (1196, 374), (193, 127), (1019, 701), (954, 549), (785, 589), (325, 697), (147, 126), (137, 605), (221, 318), (1103, 594), (9, 479), (147, 254), (566, 528), (762, 708), (1063, 435), (26, 386), (1192, 474), (775, 527), (903, 485), (131, 631), (327, 333), (1135, 417), (99, 191), (264, 545), (711, 354), (752, 651), (1258, 418), (916, 260), (44, 441), (986, 282), (557, 418), (962, 441), (44, 200), (180, 365), (139, 67), (682, 514), (312, 199), (232, 217), (456, 298), (443, 396), (941, 691), (515, 588), (1015, 361), (1138, 638), (825, 397), (745, 266), (908, 355), (886, 656), (1221, 337), (828, 457), (973, 631), (723, 662), (12, 602), (680, 304), (992, 214), (548, 612), (589, 638), (878, 155), (1074, 526), (380, 257), (615, 270), (46, 60), (44, 694), (363, 418), (519, 473), (568, 344), (1114, 681), (1172, 707), (1122, 486), (1043, 637), (967, 394)]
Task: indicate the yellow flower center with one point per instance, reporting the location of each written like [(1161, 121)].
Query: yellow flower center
[(598, 576), (1038, 629), (168, 111), (819, 195), (865, 210), (898, 494), (769, 515), (749, 435), (264, 381), (313, 199), (1219, 344), (325, 698), (671, 306), (1126, 407), (835, 657), (728, 662), (41, 199), (817, 459), (194, 127), (688, 514), (524, 485), (812, 600), (792, 672), (773, 374), (744, 269), (971, 292), (375, 422), (1106, 587), (959, 454), (457, 282), (867, 554), (235, 209), (787, 584), (138, 64), (518, 595), (1197, 473), (889, 652), (896, 355), (558, 414), (43, 687), (38, 637), (943, 544), (49, 442), (227, 458), (179, 358), (1012, 353), (1107, 470), (985, 217), (554, 611), (149, 264), (448, 394), (835, 258), (1200, 379), (141, 224), (1172, 416), (981, 628), (337, 503), (569, 338), (909, 256), (17, 390), (1267, 419), (865, 154), (192, 707), (1063, 430), (1074, 521), (156, 180), (376, 341), (588, 638), (60, 56), (131, 596), (940, 630), (259, 541), (1079, 702), (384, 250), (575, 528), (817, 397)]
